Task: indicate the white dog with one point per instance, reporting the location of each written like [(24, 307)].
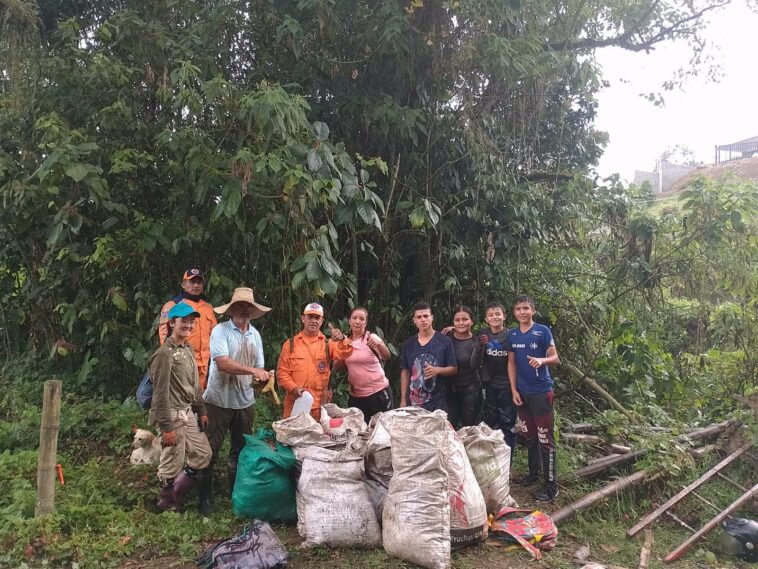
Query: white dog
[(147, 447)]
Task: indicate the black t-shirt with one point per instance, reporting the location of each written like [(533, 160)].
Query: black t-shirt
[(468, 354), (495, 358), (438, 351)]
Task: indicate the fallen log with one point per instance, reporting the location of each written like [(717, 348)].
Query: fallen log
[(582, 428), (582, 438), (592, 384), (609, 462), (650, 518), (570, 510)]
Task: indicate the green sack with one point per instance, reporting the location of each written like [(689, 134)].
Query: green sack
[(264, 489)]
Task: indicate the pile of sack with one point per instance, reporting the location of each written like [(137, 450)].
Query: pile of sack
[(406, 482)]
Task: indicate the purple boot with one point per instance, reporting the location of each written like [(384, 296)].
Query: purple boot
[(167, 502), (183, 485)]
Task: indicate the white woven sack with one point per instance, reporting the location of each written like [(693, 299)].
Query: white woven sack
[(416, 516), (350, 426), (300, 431), (490, 458), (379, 454), (333, 507), (468, 512)]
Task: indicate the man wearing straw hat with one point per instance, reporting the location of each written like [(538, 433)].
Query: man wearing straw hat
[(236, 363)]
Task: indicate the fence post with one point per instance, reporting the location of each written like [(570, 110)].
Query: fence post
[(48, 448)]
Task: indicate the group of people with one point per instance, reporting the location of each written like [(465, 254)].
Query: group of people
[(204, 375)]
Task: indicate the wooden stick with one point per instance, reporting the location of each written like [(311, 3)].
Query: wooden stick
[(568, 511), (681, 522), (732, 482), (592, 384), (679, 551), (650, 518), (646, 549), (48, 448), (620, 449)]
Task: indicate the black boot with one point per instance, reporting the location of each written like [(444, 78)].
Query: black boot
[(548, 493), (166, 502), (183, 485), (205, 491)]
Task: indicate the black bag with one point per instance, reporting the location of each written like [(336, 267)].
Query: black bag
[(145, 391), (257, 547)]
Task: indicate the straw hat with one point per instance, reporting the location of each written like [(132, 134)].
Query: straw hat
[(243, 294)]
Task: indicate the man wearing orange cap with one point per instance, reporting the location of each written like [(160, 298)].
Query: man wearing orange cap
[(304, 362), (192, 294)]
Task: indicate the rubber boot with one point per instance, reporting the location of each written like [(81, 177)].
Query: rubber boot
[(183, 485), (166, 502), (205, 491)]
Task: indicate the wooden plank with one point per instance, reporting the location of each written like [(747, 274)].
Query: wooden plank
[(646, 549), (658, 512), (690, 541)]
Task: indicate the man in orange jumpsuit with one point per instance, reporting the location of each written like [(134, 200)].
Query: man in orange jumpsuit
[(192, 294), (304, 362)]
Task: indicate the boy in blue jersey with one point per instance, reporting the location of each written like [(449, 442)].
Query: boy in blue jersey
[(531, 350)]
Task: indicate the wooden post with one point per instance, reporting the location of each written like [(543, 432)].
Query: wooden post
[(48, 448)]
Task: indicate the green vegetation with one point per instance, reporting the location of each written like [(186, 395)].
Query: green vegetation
[(371, 153)]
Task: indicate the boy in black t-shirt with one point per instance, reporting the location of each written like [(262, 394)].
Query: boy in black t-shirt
[(426, 358), (499, 410)]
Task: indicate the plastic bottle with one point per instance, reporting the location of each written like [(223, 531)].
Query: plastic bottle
[(302, 404)]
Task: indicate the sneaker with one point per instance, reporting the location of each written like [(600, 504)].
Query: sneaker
[(526, 479), (547, 494)]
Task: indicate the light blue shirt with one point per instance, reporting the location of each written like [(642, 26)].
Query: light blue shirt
[(226, 390)]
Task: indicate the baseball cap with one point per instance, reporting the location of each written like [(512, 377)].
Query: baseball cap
[(192, 273), (314, 308), (181, 310)]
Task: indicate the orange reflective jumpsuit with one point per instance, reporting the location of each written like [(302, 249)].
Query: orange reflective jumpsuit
[(305, 362), (201, 335)]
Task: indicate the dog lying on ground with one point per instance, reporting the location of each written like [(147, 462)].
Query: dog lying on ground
[(147, 447)]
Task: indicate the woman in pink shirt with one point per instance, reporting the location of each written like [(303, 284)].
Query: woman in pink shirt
[(369, 387)]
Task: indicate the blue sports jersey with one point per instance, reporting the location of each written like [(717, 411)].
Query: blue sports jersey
[(534, 342)]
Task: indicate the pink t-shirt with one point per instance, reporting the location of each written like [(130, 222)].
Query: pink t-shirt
[(364, 370)]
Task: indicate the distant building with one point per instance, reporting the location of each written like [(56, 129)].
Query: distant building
[(736, 150), (663, 177)]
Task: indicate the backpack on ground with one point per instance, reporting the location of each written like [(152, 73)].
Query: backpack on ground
[(257, 547), (534, 531), (145, 391)]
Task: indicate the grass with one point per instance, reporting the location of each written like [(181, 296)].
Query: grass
[(106, 517)]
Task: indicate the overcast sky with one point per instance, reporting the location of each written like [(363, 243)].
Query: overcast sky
[(700, 116)]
